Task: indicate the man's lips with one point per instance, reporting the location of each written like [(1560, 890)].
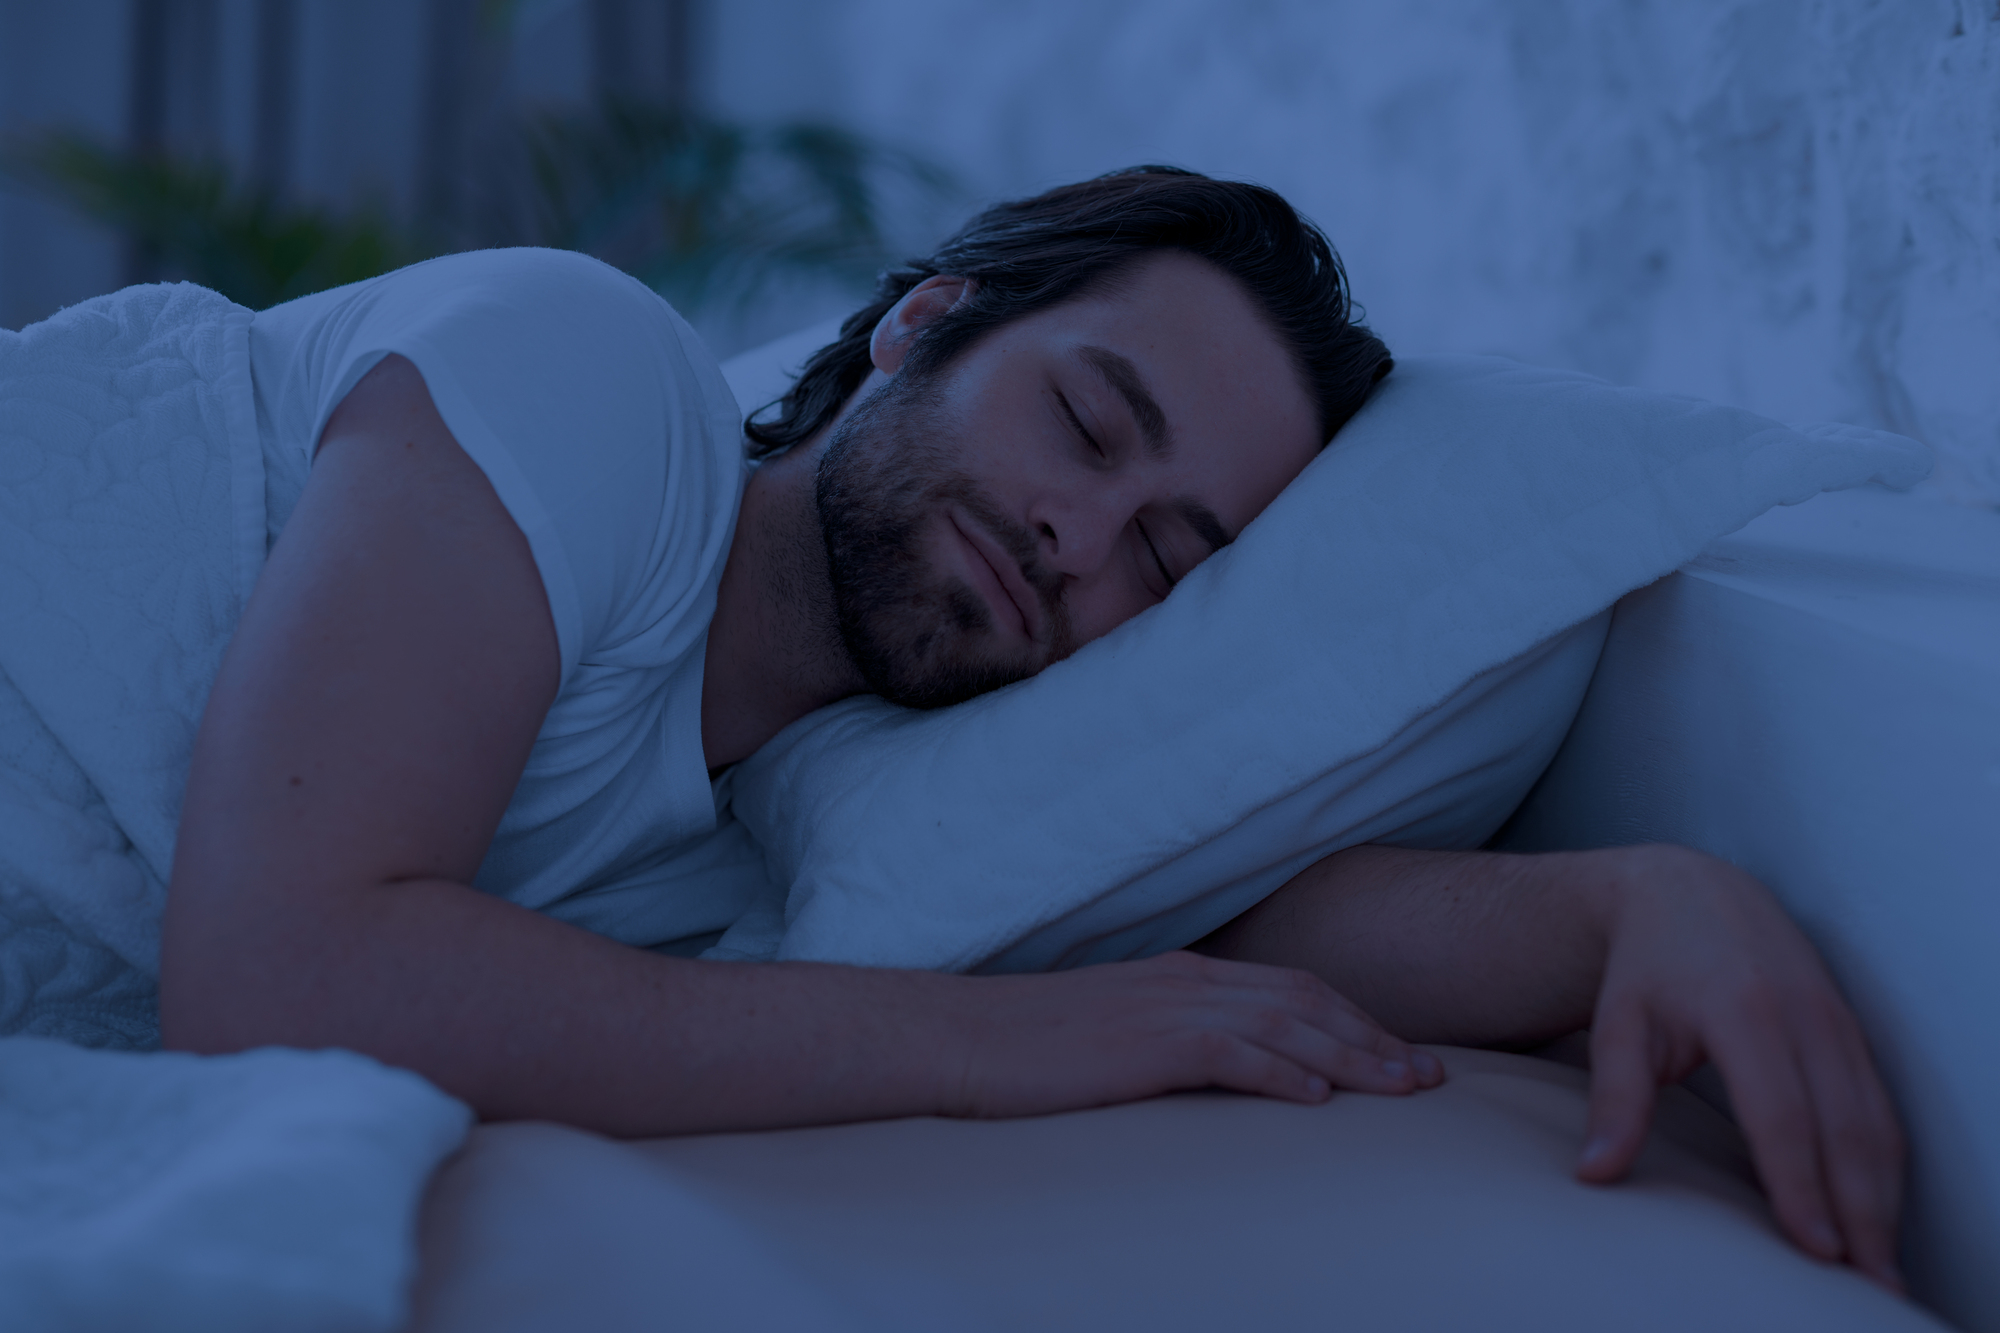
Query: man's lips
[(1008, 586)]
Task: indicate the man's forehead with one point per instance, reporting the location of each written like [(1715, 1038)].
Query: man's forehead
[(1190, 335), (1165, 283)]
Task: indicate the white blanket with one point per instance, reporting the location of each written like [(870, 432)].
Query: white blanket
[(131, 531), (274, 1190), (271, 1190)]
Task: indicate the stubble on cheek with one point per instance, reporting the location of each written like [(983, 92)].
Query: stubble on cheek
[(914, 633)]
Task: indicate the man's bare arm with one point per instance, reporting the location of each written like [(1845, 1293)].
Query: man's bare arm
[(1465, 948), (374, 712), (1671, 958)]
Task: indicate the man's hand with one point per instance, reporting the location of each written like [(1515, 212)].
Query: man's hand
[(1029, 1045), (1702, 965), (1670, 957)]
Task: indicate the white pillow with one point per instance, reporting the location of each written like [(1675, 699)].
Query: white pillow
[(1390, 653)]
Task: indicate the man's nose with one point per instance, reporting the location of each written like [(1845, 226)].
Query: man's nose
[(1078, 534)]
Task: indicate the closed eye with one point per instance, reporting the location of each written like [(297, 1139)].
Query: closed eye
[(1154, 551), (1076, 424)]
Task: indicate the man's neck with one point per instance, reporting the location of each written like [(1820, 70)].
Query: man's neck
[(774, 647)]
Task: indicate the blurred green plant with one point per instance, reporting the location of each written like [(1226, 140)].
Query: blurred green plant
[(706, 212), (196, 222)]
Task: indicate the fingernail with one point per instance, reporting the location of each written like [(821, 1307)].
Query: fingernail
[(1317, 1086), (1394, 1068), (1427, 1064), (1825, 1238), (1595, 1150)]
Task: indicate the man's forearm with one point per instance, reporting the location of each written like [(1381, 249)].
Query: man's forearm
[(526, 1017), (1470, 948)]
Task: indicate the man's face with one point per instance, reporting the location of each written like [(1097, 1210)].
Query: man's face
[(1054, 480)]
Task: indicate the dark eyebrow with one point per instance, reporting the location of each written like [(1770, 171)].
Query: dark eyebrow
[(1126, 381), (1204, 522)]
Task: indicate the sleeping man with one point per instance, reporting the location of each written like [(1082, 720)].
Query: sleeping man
[(523, 598)]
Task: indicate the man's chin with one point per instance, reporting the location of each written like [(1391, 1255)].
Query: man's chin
[(943, 685)]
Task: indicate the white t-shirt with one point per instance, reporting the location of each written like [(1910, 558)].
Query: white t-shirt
[(608, 432)]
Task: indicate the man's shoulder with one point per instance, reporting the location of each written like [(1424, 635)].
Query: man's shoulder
[(537, 284)]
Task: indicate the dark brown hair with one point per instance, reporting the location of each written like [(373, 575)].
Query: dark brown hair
[(1034, 253)]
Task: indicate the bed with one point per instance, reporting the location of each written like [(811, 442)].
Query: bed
[(1810, 697)]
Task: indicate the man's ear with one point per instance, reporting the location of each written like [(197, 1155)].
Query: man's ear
[(898, 329)]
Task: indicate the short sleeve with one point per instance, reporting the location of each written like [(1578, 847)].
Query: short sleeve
[(595, 412)]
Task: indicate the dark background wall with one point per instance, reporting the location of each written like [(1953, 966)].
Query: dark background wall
[(1791, 205), (384, 103)]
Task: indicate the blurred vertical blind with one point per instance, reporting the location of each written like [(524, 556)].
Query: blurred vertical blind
[(480, 62), (270, 148)]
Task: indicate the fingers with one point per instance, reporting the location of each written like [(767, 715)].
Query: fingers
[(1356, 1041), (1775, 1108), (1818, 1122), (1775, 1112), (1243, 1066), (1362, 1055), (1702, 962), (1295, 1017), (1861, 1152), (1824, 1135), (1430, 1069), (1342, 1063), (1624, 1085)]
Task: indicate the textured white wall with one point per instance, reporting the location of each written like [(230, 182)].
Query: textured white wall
[(1792, 205)]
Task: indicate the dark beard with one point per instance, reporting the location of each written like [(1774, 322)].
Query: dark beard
[(912, 633)]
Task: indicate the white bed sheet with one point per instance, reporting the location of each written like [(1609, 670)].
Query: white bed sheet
[(1814, 699), (1452, 1209)]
